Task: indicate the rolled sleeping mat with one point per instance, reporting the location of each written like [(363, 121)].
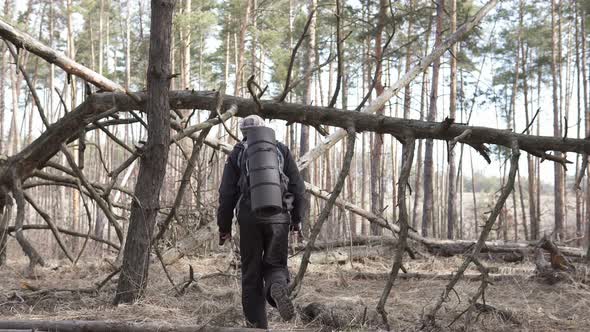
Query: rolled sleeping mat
[(266, 197)]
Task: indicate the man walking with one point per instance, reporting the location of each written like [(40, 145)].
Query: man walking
[(263, 239)]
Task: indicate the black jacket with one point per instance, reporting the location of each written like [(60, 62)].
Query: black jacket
[(229, 190)]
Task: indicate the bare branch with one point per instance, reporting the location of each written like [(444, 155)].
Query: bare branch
[(293, 54), (429, 319), (23, 40), (51, 225), (296, 284), (408, 157)]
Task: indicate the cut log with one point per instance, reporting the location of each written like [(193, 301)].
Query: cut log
[(107, 326)]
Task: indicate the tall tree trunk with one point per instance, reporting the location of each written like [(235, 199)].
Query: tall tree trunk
[(534, 222), (186, 49), (523, 210), (538, 162), (136, 259), (377, 147), (475, 213), (77, 152), (427, 220), (307, 99), (423, 94), (128, 48), (245, 19), (101, 37), (558, 169), (8, 14), (586, 116), (579, 192), (254, 69), (227, 48), (452, 198)]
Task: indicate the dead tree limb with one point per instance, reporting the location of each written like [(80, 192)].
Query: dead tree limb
[(296, 284), (89, 218), (70, 158), (407, 160), (11, 229), (429, 319), (190, 166), (23, 40), (292, 61), (161, 259), (358, 240), (422, 65), (362, 121), (340, 65), (93, 194), (51, 225), (6, 216), (480, 294), (29, 250), (45, 146)]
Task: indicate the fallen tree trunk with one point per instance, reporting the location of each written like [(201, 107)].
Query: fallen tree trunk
[(47, 145), (448, 248), (315, 116), (355, 241), (435, 276), (506, 251), (107, 326)]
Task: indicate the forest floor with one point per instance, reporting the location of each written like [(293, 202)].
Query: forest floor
[(214, 300)]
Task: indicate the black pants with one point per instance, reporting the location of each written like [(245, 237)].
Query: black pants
[(263, 251)]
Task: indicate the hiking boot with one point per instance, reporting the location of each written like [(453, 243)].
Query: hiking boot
[(280, 295)]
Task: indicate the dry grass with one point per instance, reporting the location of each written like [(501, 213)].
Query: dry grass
[(216, 300)]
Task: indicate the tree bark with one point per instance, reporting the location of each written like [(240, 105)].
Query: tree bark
[(427, 216), (307, 100), (4, 220), (134, 273), (587, 121), (558, 169), (377, 146), (245, 19), (534, 222), (8, 6), (452, 196), (419, 157)]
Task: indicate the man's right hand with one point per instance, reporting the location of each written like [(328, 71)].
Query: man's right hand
[(224, 237)]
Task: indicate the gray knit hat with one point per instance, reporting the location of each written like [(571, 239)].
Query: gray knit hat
[(251, 121)]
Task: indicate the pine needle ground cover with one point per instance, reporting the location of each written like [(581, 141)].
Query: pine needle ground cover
[(349, 291)]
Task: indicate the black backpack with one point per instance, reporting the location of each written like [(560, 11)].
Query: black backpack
[(244, 183)]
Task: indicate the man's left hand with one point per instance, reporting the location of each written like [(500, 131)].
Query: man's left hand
[(224, 237)]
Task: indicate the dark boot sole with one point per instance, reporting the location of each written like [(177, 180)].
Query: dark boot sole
[(283, 302)]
